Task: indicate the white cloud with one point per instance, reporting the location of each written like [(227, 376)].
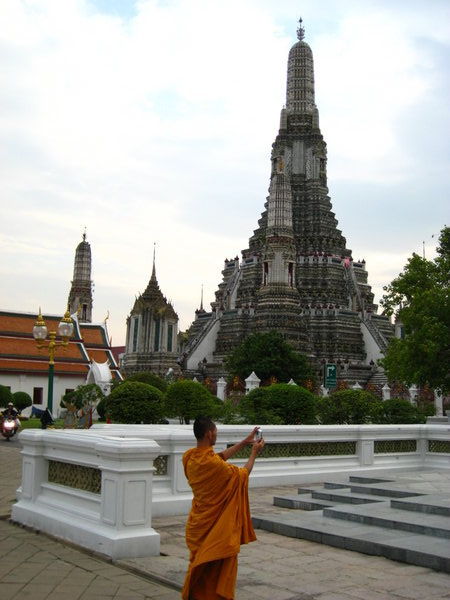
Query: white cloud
[(157, 126)]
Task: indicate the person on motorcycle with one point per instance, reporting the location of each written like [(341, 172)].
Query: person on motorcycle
[(11, 413)]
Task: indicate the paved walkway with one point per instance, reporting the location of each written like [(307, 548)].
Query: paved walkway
[(35, 566)]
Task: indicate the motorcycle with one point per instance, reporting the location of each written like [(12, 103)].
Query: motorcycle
[(8, 428)]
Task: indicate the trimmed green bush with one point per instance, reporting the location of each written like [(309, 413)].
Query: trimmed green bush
[(349, 407), (150, 378), (279, 404), (188, 399), (21, 400), (398, 410), (135, 402)]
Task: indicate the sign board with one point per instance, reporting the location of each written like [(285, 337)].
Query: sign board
[(330, 376)]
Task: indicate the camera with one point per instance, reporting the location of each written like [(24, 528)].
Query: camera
[(258, 434)]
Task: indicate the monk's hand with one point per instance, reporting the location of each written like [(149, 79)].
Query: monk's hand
[(258, 446), (250, 439)]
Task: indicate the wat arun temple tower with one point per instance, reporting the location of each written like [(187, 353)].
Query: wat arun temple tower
[(297, 276)]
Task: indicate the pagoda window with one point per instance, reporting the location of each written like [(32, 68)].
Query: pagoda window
[(135, 333), (169, 337), (291, 274), (157, 334), (84, 312), (266, 272)]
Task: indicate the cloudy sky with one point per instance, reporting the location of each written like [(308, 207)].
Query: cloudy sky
[(152, 121)]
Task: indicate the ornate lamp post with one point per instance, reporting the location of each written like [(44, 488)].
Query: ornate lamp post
[(65, 330)]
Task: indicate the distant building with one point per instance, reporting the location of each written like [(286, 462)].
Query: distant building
[(297, 276), (152, 332), (23, 367)]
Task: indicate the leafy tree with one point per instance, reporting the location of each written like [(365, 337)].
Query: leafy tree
[(5, 395), (349, 407), (84, 396), (21, 400), (135, 402), (279, 404), (150, 378), (188, 399), (420, 298), (101, 409), (268, 355)]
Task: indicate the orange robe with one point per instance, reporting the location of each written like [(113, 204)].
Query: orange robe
[(219, 522)]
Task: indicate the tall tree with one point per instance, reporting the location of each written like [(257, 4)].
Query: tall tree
[(420, 299), (268, 355)]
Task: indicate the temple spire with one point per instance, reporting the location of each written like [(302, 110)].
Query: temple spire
[(154, 262), (201, 299), (300, 30), (80, 295)]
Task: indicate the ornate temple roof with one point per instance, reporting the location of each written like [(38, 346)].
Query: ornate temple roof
[(19, 354), (154, 299)]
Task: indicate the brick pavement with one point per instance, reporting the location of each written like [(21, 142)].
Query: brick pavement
[(273, 568)]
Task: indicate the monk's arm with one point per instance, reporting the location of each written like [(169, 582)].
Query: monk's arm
[(231, 451), (256, 449)]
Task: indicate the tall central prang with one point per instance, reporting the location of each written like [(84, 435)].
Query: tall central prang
[(297, 276)]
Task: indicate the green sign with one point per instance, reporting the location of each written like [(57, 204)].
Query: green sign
[(330, 376)]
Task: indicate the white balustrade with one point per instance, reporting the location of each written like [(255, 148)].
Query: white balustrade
[(116, 519)]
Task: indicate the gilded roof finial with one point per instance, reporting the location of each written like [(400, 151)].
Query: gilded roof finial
[(300, 30), (201, 299), (84, 235)]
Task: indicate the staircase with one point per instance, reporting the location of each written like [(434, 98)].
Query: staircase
[(383, 517)]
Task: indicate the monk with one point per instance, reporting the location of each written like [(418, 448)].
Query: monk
[(219, 521)]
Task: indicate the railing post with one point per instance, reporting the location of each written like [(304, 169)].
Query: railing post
[(126, 495)]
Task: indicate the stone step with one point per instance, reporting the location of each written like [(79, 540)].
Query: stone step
[(387, 491), (367, 479), (416, 549), (331, 485), (301, 502), (335, 485), (382, 515), (346, 497), (433, 504)]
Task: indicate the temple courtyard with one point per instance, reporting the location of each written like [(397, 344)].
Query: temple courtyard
[(275, 567)]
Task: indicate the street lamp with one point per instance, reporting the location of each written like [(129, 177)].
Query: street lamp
[(40, 332)]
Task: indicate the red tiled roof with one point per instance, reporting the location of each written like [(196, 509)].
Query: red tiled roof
[(18, 350), (93, 335), (36, 366)]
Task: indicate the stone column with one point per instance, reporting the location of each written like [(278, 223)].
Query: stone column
[(386, 391), (252, 382), (413, 392), (438, 403), (221, 385)]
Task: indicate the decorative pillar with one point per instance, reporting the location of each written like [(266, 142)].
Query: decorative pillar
[(126, 494), (413, 392), (221, 385), (252, 382), (438, 403), (386, 391)]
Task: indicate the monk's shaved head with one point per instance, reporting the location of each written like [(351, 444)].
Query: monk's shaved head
[(202, 425)]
